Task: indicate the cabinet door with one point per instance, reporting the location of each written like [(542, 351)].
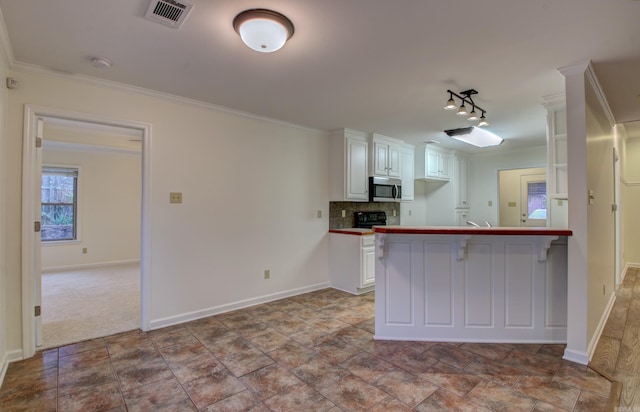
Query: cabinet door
[(461, 179), (432, 165), (445, 166), (368, 275), (393, 161), (462, 216), (408, 174), (380, 158), (356, 179)]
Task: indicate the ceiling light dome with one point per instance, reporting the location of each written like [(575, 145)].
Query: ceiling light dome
[(263, 30)]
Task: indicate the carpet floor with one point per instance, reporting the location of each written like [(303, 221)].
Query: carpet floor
[(83, 304)]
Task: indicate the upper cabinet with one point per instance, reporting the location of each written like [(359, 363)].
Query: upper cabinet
[(434, 165), (348, 166), (385, 155), (407, 159), (354, 156)]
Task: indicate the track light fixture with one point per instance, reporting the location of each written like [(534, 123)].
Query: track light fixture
[(465, 97)]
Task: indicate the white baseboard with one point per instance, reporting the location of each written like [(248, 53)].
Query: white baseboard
[(627, 266), (601, 324), (577, 357), (6, 360), (216, 310), (89, 265)]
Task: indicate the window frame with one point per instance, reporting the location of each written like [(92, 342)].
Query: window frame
[(77, 214)]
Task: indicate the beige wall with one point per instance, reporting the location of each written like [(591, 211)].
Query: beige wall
[(109, 192), (630, 192), (510, 194), (251, 191), (483, 181), (601, 223)]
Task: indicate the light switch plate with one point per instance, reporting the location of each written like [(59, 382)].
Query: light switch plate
[(175, 197)]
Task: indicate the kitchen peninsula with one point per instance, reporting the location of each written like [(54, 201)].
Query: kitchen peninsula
[(470, 284)]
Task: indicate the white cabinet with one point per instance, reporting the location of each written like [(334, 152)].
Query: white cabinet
[(557, 147), (407, 159), (385, 154), (368, 266), (348, 166), (352, 262), (460, 180), (434, 165)]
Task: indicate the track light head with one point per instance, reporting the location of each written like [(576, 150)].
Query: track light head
[(451, 104), (473, 116)]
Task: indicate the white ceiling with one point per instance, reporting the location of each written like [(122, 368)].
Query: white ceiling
[(371, 65)]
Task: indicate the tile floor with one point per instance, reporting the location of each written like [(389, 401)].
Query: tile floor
[(312, 352), (618, 351)]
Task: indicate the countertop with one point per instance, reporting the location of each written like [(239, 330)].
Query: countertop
[(353, 231), (470, 230)]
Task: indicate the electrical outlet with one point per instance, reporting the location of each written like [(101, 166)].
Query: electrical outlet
[(490, 203), (267, 274), (344, 213), (319, 214), (604, 289), (409, 212), (394, 212), (175, 197), (84, 250)]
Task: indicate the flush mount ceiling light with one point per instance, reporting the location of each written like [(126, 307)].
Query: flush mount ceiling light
[(475, 136), (465, 97), (263, 30)]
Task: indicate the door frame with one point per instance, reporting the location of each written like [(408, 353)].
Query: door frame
[(30, 187)]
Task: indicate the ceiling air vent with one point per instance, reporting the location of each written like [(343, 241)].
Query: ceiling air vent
[(168, 12)]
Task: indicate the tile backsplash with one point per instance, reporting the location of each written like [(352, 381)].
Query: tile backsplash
[(336, 221)]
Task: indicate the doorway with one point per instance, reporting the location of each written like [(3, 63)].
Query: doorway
[(523, 197), (90, 231), (35, 119)]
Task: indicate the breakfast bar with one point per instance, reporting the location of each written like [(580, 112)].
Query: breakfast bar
[(468, 284)]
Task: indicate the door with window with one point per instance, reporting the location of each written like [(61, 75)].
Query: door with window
[(533, 200)]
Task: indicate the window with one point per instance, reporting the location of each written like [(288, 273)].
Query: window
[(59, 203), (537, 200)]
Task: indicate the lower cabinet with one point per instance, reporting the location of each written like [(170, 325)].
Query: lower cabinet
[(352, 262)]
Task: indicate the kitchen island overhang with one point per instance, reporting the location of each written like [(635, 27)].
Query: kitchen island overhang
[(467, 284)]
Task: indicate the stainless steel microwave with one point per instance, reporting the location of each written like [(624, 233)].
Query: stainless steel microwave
[(384, 189)]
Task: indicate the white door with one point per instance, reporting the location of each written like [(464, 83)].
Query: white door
[(37, 266), (533, 200)]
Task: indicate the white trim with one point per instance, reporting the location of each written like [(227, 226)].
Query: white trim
[(89, 265), (627, 265), (9, 357), (68, 146), (577, 357), (216, 310), (31, 114), (602, 99), (628, 183), (603, 321)]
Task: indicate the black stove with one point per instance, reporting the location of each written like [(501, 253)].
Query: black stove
[(367, 220)]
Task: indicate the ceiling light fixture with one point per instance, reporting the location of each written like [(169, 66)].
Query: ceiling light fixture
[(263, 30), (465, 97), (101, 62), (475, 136)]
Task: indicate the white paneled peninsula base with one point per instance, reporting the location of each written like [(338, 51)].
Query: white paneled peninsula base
[(471, 284)]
